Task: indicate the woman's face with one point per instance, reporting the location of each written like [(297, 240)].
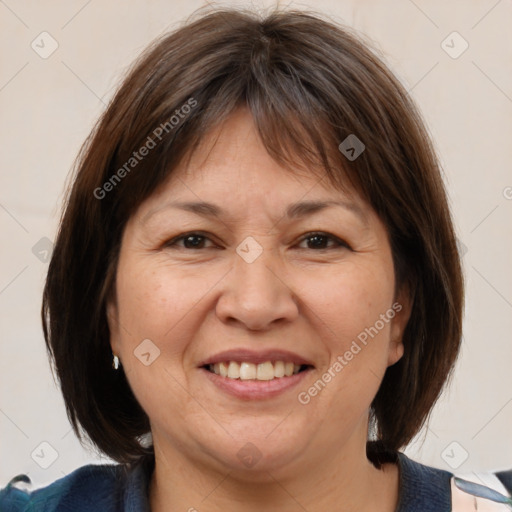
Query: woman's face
[(259, 276)]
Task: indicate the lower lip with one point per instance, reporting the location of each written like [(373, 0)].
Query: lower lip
[(255, 389)]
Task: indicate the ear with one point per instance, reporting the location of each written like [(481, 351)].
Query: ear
[(402, 307)]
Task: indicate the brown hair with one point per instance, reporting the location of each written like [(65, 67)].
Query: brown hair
[(309, 84)]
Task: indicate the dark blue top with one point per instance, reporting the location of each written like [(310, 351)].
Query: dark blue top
[(118, 488)]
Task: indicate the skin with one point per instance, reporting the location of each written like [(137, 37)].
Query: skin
[(195, 302)]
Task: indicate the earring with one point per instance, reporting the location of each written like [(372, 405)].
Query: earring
[(115, 362)]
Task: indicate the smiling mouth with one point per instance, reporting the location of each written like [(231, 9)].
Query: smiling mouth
[(268, 370)]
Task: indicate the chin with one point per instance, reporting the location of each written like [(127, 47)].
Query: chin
[(252, 451)]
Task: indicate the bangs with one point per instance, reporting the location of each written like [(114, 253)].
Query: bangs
[(292, 123)]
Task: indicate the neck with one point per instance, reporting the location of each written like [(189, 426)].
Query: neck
[(345, 482)]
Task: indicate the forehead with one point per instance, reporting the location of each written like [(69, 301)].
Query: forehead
[(233, 151), (231, 166)]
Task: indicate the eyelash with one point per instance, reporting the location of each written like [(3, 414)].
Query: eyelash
[(339, 243)]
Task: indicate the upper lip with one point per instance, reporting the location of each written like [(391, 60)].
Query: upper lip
[(255, 357)]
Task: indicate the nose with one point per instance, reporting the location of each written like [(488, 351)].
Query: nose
[(256, 294)]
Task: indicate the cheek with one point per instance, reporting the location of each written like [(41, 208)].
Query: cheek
[(154, 303), (152, 297), (354, 320), (163, 303), (352, 300)]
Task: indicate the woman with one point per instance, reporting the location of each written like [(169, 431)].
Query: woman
[(255, 297)]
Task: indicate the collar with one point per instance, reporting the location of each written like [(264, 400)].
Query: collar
[(422, 488)]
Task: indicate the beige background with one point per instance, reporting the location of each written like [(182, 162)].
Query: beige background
[(48, 106)]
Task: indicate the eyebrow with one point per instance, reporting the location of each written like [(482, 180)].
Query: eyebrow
[(294, 211)]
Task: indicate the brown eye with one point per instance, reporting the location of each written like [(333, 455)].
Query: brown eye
[(189, 241), (319, 241)]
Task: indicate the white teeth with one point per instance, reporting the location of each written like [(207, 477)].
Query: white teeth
[(265, 371), (248, 371), (223, 367), (279, 369), (233, 370)]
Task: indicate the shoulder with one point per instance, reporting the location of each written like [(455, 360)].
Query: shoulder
[(506, 479), (423, 488), (89, 488), (427, 489)]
